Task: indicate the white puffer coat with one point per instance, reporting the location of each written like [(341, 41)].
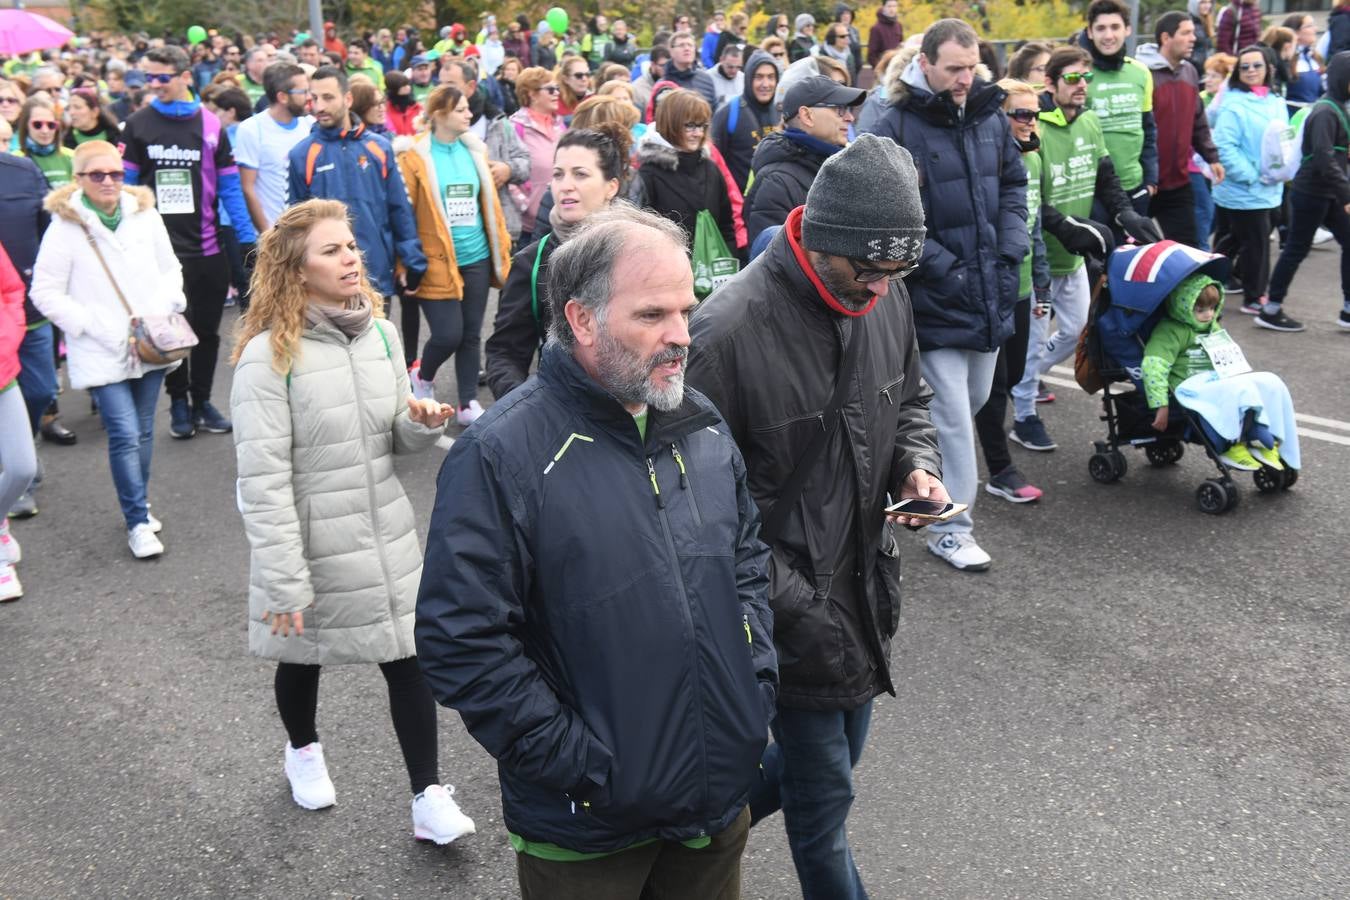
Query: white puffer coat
[(330, 529), (71, 288)]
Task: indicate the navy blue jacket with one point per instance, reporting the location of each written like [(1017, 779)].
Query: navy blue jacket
[(974, 190), (595, 608), (22, 220), (358, 167)]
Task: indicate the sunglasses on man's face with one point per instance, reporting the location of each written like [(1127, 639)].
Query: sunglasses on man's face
[(1075, 77), (1025, 116), (160, 78)]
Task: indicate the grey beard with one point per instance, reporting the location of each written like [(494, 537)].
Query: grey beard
[(628, 376), (847, 291)]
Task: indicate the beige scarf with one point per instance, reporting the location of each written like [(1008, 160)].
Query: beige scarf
[(352, 319)]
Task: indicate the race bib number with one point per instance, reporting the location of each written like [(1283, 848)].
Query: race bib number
[(722, 270), (173, 192), (460, 206), (1224, 354)]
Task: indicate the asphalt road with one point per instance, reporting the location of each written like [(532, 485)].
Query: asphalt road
[(1137, 701)]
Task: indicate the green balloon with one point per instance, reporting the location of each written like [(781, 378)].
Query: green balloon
[(557, 20), (195, 35)]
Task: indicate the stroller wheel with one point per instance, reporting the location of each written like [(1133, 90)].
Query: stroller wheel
[(1118, 463), (1268, 480), (1102, 468), (1290, 477), (1159, 455), (1175, 451), (1213, 497)]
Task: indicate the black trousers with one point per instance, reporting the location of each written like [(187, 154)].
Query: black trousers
[(206, 281), (410, 318), (1246, 239), (411, 706), (1174, 211), (1012, 361)]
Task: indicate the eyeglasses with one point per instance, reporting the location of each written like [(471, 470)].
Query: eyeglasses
[(42, 126), (100, 177), (160, 78), (581, 75), (1075, 77), (1025, 116), (839, 111), (695, 127), (550, 89), (301, 92), (10, 101), (1251, 67), (866, 275)]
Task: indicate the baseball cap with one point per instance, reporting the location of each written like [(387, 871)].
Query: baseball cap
[(818, 90), (421, 59)]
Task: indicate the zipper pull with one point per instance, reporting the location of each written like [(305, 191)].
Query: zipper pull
[(656, 488), (679, 461), (745, 620)]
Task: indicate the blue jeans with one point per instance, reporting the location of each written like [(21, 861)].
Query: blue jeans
[(808, 773), (128, 412), (37, 371), (1204, 209)]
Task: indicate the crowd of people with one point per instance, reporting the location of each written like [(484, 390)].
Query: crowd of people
[(895, 235)]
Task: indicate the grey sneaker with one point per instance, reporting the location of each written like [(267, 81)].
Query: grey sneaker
[(959, 550)]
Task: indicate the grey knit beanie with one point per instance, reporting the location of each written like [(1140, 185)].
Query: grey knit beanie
[(864, 204)]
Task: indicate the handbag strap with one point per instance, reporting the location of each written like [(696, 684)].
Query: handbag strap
[(89, 236), (787, 498)]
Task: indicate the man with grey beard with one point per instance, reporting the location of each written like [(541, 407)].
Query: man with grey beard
[(593, 598), (810, 355)]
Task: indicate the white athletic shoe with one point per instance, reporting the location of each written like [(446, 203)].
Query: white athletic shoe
[(307, 772), (959, 549), (143, 542), (436, 816), (1321, 236), (10, 589), (9, 547), (467, 415), (422, 390), (155, 524)]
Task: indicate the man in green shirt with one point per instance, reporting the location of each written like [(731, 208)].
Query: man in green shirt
[(1121, 94), (359, 62), (255, 63)]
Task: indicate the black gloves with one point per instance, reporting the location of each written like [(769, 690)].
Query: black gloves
[(1085, 237), (1141, 228), (412, 279)]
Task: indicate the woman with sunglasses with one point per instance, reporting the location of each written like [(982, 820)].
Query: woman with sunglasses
[(574, 80), (40, 140), (1243, 203), (538, 126), (837, 46), (11, 102), (99, 221), (676, 176)]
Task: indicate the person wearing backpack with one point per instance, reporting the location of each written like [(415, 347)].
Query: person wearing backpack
[(1318, 196), (1245, 199), (1238, 25)]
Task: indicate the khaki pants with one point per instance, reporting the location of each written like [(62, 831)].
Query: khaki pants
[(664, 870)]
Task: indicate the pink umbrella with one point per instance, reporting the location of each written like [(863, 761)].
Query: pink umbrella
[(22, 31)]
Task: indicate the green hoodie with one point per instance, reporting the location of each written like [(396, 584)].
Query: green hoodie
[(1173, 352), (1070, 155)]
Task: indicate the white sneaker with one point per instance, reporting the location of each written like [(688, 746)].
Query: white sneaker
[(143, 543), (960, 550), (9, 547), (422, 390), (307, 772), (10, 589), (467, 415), (436, 816), (155, 524), (1321, 236)]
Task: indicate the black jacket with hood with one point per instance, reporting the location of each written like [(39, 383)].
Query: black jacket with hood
[(679, 183), (785, 164), (754, 121), (766, 348), (1323, 172), (593, 604), (523, 317)]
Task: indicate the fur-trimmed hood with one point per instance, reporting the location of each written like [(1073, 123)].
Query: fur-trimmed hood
[(655, 150), (65, 203)]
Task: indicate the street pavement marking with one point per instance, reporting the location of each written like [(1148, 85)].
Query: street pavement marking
[(1315, 434)]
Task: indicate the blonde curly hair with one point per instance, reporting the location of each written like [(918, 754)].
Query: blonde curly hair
[(278, 296)]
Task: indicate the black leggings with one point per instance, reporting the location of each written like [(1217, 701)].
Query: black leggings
[(411, 706), (206, 280), (457, 330), (1012, 361), (1246, 239), (410, 317)]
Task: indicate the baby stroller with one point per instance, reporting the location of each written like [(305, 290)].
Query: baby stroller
[(1124, 312)]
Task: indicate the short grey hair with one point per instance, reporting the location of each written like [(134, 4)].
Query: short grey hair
[(583, 268), (945, 30)]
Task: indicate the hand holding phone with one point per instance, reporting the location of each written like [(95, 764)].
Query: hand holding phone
[(925, 512)]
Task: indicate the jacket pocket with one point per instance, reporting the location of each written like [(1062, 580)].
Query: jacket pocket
[(890, 391), (888, 587), (807, 631)]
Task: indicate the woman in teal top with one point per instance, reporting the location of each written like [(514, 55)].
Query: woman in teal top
[(40, 140), (463, 232)]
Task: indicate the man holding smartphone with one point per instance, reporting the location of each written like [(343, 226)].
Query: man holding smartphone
[(810, 355)]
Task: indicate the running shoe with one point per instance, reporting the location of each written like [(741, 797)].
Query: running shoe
[(9, 547), (10, 588), (467, 415), (1043, 393), (1011, 486), (1266, 456), (959, 550), (422, 390), (180, 420), (209, 419), (1252, 307), (306, 770), (1344, 320), (25, 507), (437, 818), (1321, 236), (1239, 457), (1278, 322), (1030, 433), (143, 542)]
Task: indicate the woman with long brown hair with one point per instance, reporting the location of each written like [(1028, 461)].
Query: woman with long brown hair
[(321, 405), (574, 82)]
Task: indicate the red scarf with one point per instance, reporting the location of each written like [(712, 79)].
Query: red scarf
[(793, 229)]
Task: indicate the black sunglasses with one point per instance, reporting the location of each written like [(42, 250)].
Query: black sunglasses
[(100, 177), (1025, 116), (41, 126), (866, 275)]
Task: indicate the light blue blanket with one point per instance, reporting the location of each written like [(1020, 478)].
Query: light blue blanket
[(1223, 402)]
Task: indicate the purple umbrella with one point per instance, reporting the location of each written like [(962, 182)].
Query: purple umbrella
[(22, 31)]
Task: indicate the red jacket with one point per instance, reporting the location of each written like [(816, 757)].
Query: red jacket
[(401, 122), (1245, 17), (885, 35), (13, 323), (1180, 117)]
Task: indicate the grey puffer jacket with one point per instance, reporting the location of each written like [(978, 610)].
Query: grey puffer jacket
[(330, 530)]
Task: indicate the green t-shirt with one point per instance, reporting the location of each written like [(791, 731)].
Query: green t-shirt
[(1120, 98), (1070, 153), (641, 420), (1033, 164), (250, 87), (58, 167)]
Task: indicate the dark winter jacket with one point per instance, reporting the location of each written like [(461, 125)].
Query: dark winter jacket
[(800, 47), (359, 169), (886, 34), (767, 350), (1179, 116), (594, 606), (693, 79), (1324, 171), (1236, 26), (677, 184), (754, 122), (785, 164), (1204, 44), (974, 187), (1338, 25), (23, 220), (622, 52), (523, 317)]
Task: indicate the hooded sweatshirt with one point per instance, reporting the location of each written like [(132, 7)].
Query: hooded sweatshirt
[(753, 121), (1180, 118), (1338, 30), (886, 34), (1237, 25), (1121, 95), (1173, 352), (1325, 171)]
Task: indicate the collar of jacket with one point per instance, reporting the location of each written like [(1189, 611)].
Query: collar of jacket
[(560, 368), (341, 134), (792, 230), (1110, 63), (812, 144), (939, 109)]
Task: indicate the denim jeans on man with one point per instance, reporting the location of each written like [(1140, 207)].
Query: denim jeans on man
[(808, 774), (37, 371), (128, 412)]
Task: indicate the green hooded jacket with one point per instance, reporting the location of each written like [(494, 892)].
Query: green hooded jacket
[(1070, 155), (1173, 352)]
